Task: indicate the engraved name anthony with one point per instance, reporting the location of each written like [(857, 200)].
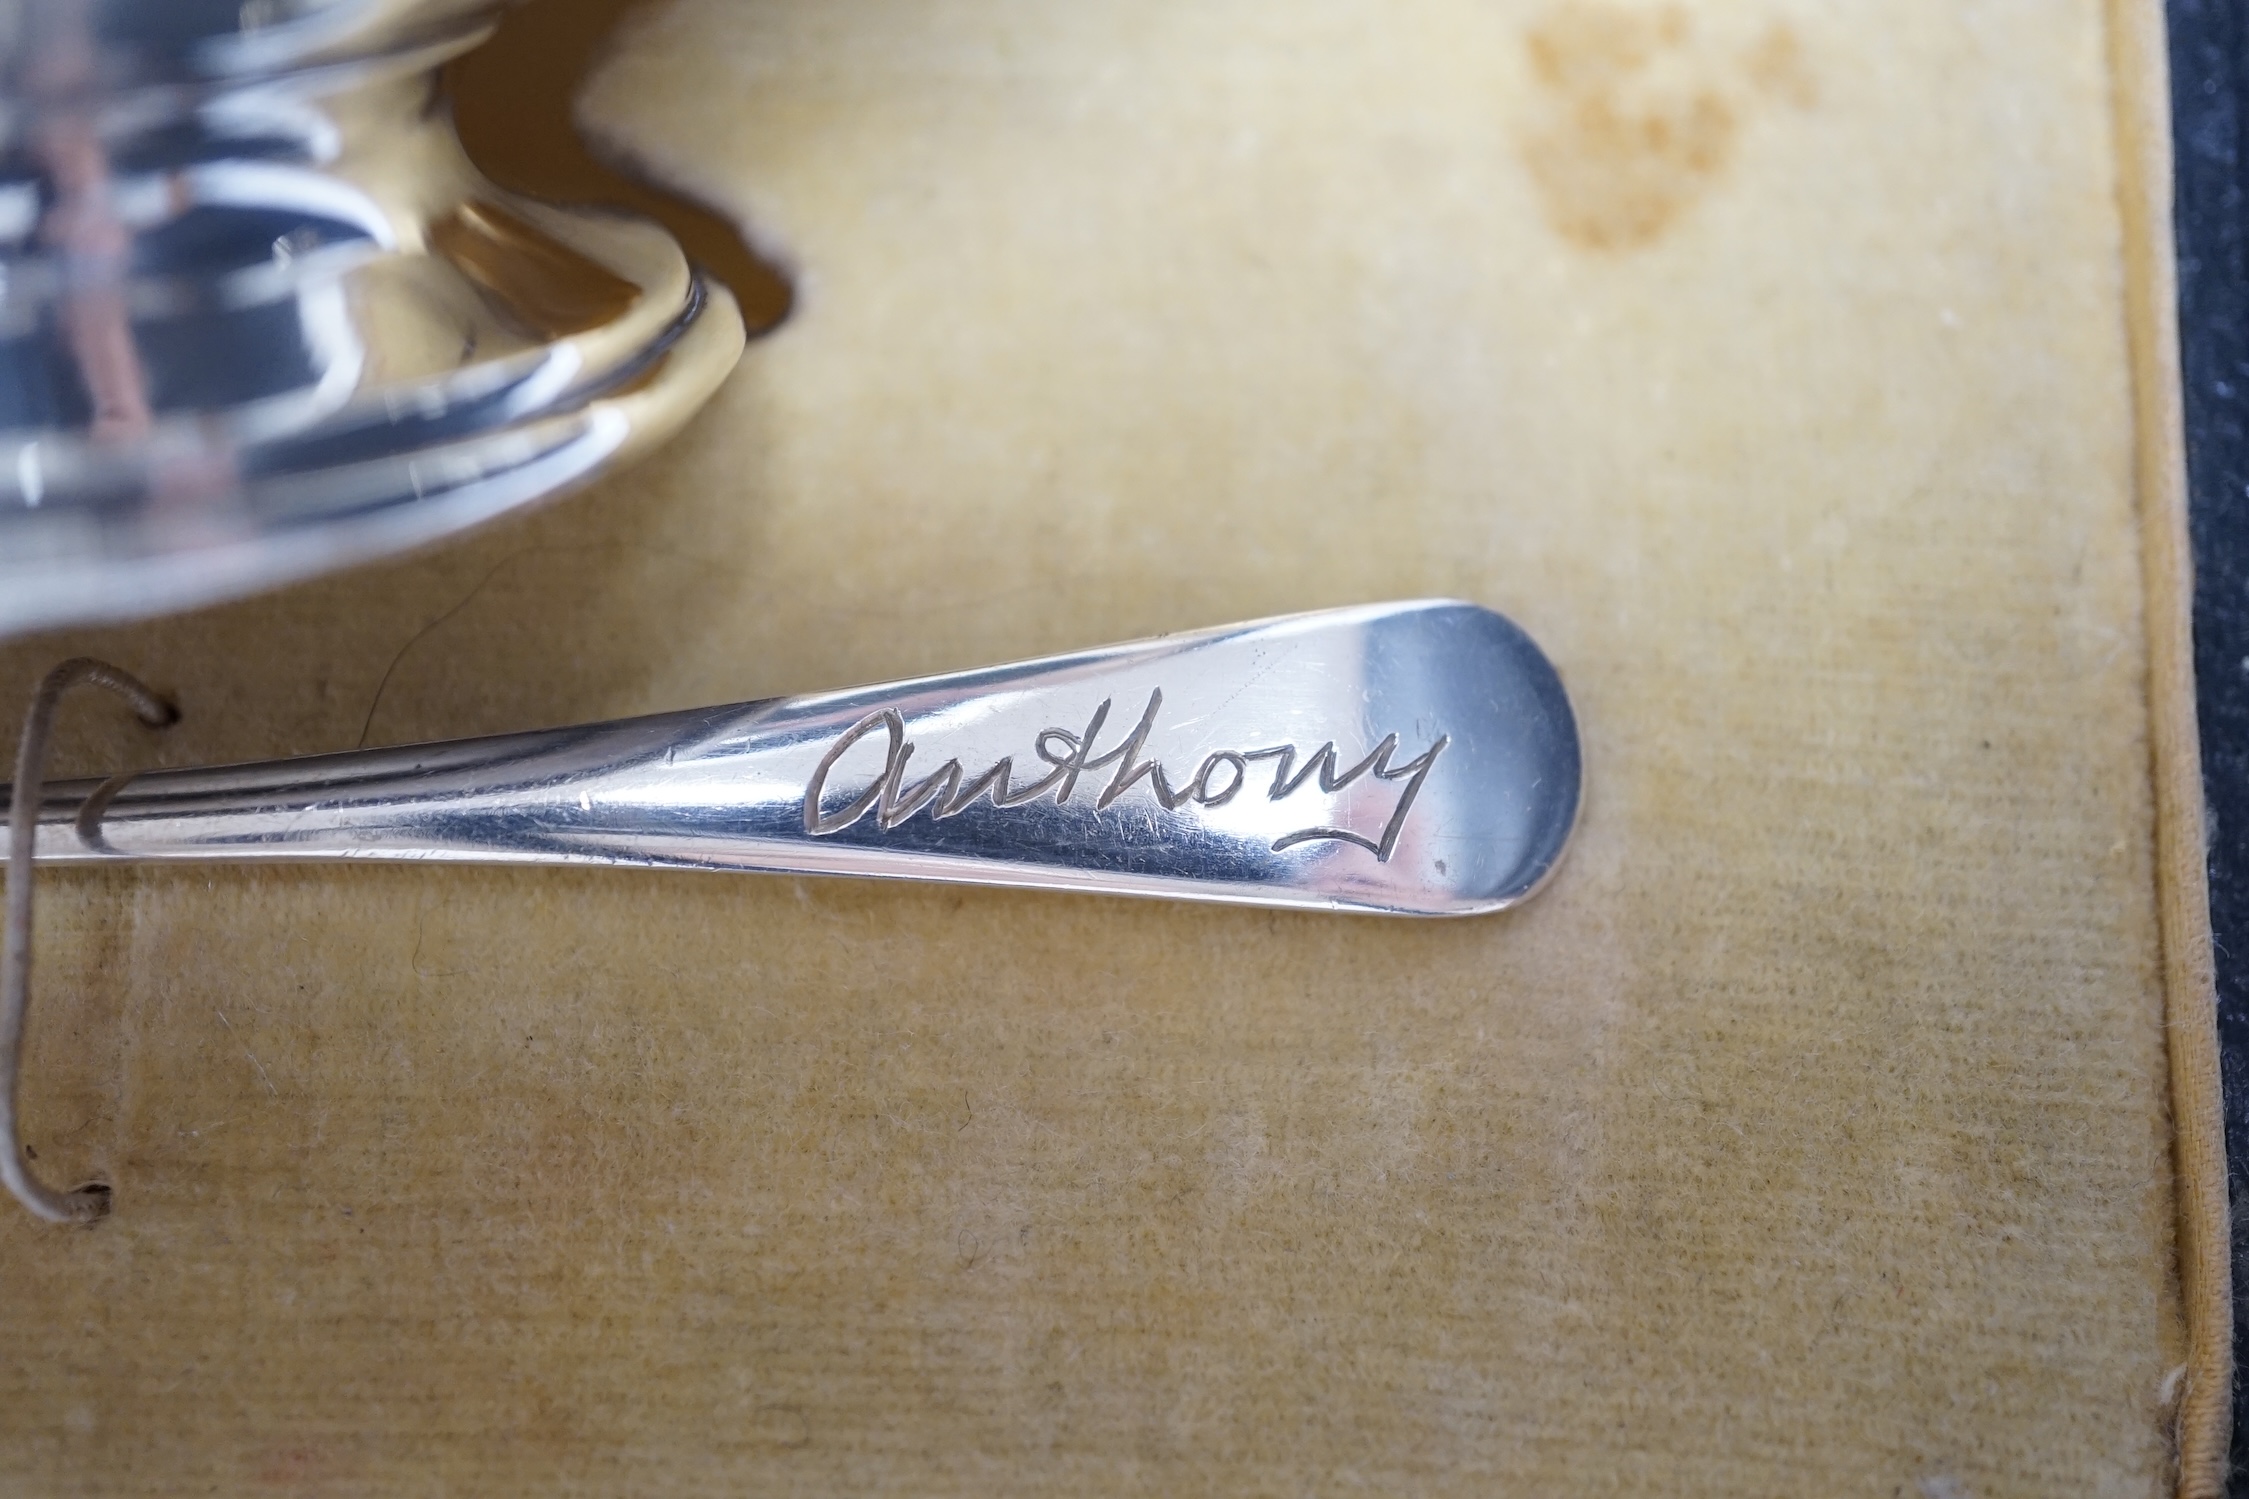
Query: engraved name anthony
[(1222, 775)]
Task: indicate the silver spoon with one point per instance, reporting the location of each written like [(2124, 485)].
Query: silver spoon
[(1409, 759), (1416, 758)]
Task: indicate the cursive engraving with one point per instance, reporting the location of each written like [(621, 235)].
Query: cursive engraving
[(1069, 757)]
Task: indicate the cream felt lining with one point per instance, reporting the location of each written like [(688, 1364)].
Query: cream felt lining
[(1793, 372)]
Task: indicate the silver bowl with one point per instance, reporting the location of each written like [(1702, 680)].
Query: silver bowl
[(260, 317)]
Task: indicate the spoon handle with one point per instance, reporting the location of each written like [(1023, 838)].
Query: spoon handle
[(1415, 758)]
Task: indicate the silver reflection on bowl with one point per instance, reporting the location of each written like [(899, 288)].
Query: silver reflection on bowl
[(260, 317)]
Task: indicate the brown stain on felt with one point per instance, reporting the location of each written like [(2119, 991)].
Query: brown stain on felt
[(1776, 64), (1637, 117)]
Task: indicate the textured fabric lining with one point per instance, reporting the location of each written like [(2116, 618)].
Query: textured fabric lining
[(1795, 373)]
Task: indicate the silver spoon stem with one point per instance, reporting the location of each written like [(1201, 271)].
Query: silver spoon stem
[(1415, 758)]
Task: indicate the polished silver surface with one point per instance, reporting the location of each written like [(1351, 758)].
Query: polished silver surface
[(1416, 758), (260, 317)]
